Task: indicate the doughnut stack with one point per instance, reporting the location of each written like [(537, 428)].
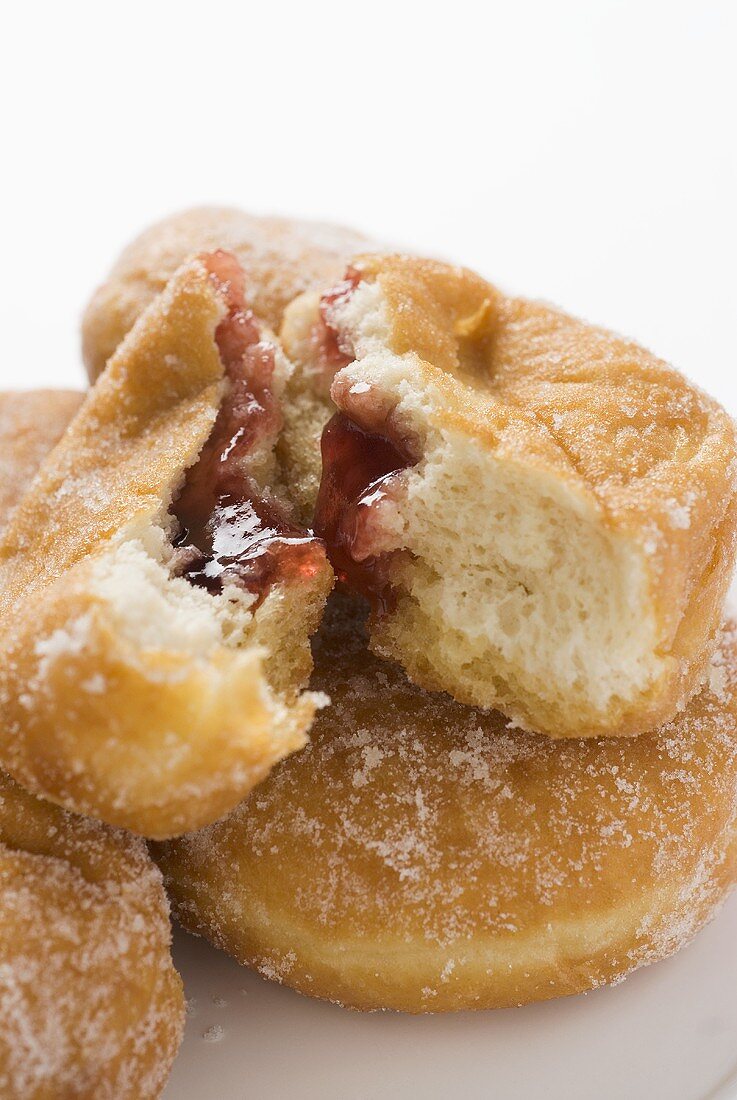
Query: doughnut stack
[(389, 610)]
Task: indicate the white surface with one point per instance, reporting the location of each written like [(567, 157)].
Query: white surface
[(668, 1033), (582, 151)]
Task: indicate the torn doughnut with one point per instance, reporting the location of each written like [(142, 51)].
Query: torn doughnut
[(419, 855), (91, 1006), (156, 592), (541, 513), (282, 259)]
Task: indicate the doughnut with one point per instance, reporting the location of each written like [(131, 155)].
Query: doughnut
[(282, 259), (90, 1003), (156, 592), (541, 513), (422, 855), (91, 1006)]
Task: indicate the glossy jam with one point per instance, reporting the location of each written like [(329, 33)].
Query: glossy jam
[(359, 468), (230, 532)]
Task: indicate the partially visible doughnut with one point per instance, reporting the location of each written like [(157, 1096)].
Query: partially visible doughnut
[(542, 513), (282, 258), (31, 423), (420, 855), (91, 1006), (156, 602)]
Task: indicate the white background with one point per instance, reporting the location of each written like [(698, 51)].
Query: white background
[(579, 151)]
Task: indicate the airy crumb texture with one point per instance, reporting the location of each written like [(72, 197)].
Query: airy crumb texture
[(91, 1006), (126, 692), (282, 258), (421, 855), (561, 541)]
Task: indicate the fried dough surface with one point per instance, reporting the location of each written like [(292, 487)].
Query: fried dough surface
[(420, 855)]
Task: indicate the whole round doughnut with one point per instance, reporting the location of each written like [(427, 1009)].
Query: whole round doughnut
[(421, 855), (282, 258), (91, 1006)]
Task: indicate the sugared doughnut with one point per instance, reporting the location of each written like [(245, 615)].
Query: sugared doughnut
[(542, 513), (91, 1006), (421, 855), (282, 258), (156, 593), (31, 423)]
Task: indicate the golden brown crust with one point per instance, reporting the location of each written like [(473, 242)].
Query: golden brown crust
[(281, 257), (90, 1003), (419, 855), (156, 737)]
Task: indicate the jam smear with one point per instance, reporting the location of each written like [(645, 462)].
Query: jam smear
[(358, 469), (333, 348), (230, 531)]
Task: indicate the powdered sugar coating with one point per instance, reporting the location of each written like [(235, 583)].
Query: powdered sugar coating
[(31, 423)]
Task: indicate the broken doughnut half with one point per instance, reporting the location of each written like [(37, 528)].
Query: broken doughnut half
[(541, 513), (156, 593)]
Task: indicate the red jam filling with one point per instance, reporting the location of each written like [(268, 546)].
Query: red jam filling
[(358, 469), (334, 350), (230, 531)]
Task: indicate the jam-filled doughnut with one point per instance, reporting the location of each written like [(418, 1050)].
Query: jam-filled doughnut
[(91, 1006), (542, 513), (156, 591), (421, 855)]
